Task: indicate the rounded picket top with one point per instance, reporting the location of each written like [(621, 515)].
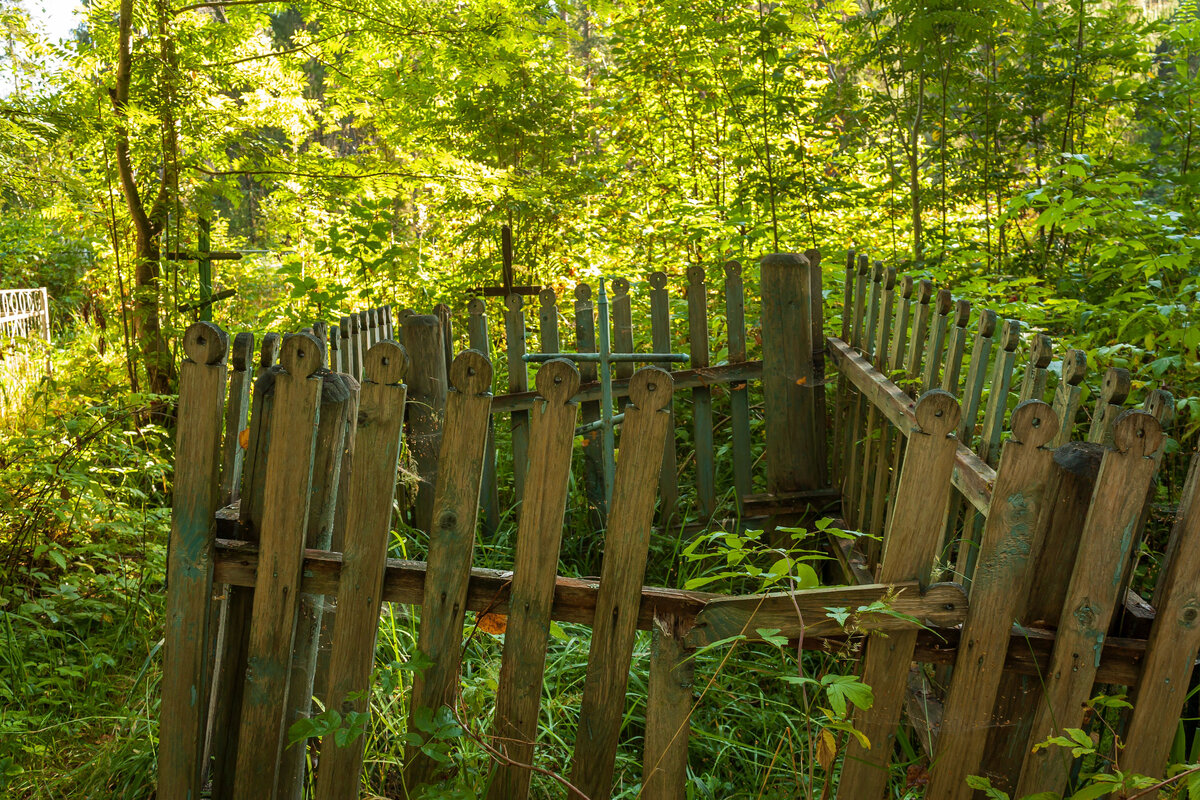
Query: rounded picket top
[(987, 322), (1010, 335), (243, 350), (547, 297), (733, 269), (205, 343), (658, 278), (583, 292), (476, 306), (889, 278), (1034, 423), (945, 302), (514, 302), (270, 350), (557, 380), (1117, 385), (471, 373), (696, 273), (1074, 367), (937, 412), (386, 363), (620, 286), (1137, 433), (300, 355), (924, 290), (651, 388), (962, 313)]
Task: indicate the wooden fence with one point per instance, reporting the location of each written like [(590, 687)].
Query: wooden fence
[(24, 340), (303, 512)]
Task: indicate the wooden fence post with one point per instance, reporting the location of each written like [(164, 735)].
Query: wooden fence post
[(426, 404), (1041, 353), (185, 681), (371, 487), (792, 429), (739, 393), (518, 381), (668, 712), (593, 450), (660, 334), (1109, 405), (535, 565), (702, 416), (477, 331), (237, 408), (451, 547), (626, 544), (281, 554), (1001, 582), (909, 549), (1092, 596), (1066, 396)]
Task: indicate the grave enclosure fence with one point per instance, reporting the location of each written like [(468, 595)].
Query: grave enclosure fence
[(284, 501), (24, 343)]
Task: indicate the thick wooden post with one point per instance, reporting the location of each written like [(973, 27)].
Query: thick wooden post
[(185, 681), (909, 549), (535, 564), (1108, 535), (1001, 582), (371, 487), (427, 401), (626, 544), (792, 429), (281, 555), (451, 547)]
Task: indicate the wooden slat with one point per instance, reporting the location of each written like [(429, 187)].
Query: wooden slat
[(277, 593), (451, 548), (534, 565), (1109, 406), (877, 472), (871, 427), (237, 406), (739, 393), (668, 712), (931, 378), (976, 376), (593, 449), (446, 323), (626, 544), (1066, 396), (1000, 582), (910, 546), (1108, 534), (185, 680), (920, 333), (334, 345), (548, 338), (958, 343), (370, 490), (899, 352), (1001, 384), (427, 393), (1041, 352), (660, 336), (622, 331), (971, 476), (858, 404), (842, 403), (702, 417), (477, 334), (518, 381), (364, 341), (816, 298), (1171, 649)]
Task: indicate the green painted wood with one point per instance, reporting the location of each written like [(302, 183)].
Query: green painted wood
[(739, 393), (920, 335), (535, 563), (451, 548), (1041, 353), (954, 351), (548, 337), (518, 381), (185, 681), (593, 449), (370, 490), (1068, 394), (702, 414), (931, 377), (277, 591), (661, 341), (1092, 597), (881, 447), (626, 546), (621, 337), (477, 333)]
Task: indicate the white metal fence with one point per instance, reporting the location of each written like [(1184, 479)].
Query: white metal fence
[(24, 344)]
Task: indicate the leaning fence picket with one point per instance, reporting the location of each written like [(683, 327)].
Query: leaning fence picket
[(477, 335), (1068, 393), (1110, 404), (1033, 384), (702, 416), (739, 393), (931, 378), (593, 449), (668, 711), (660, 335)]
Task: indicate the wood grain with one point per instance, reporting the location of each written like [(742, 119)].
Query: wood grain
[(668, 712), (702, 413)]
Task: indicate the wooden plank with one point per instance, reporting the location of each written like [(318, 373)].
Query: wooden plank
[(427, 402), (805, 613), (899, 351), (842, 402), (1041, 353), (1109, 406), (1066, 396), (971, 476), (858, 408), (364, 343), (958, 343), (622, 331), (792, 429), (668, 712), (1108, 535), (445, 322), (237, 407), (518, 381), (373, 324), (1000, 582), (877, 473), (920, 332), (356, 348), (185, 680), (660, 336), (346, 346), (816, 296), (334, 345), (937, 341), (477, 337), (534, 565), (860, 297), (451, 548), (626, 545), (1171, 649), (871, 429), (702, 417), (739, 393), (335, 421), (976, 376), (277, 591), (910, 547), (997, 404), (593, 449), (548, 338), (370, 490), (575, 601)]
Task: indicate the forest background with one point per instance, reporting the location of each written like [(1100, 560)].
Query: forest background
[(1038, 156)]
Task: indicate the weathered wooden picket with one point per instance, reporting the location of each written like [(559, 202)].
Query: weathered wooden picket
[(298, 483)]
